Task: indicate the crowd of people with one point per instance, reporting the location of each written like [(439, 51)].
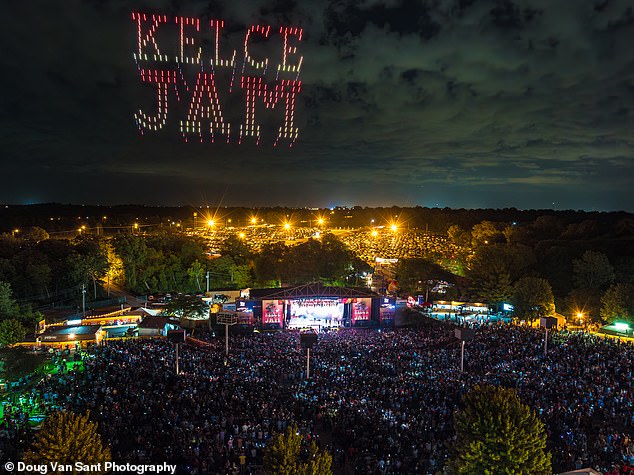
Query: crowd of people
[(381, 401)]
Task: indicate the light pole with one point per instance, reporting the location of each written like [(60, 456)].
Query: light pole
[(226, 319), (83, 300), (308, 340), (547, 323), (177, 337), (463, 334), (177, 371)]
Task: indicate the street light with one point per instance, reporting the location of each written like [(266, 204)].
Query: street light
[(375, 233), (394, 227), (287, 225), (211, 223)]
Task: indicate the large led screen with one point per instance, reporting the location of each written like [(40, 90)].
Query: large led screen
[(273, 312), (316, 313), (361, 309)]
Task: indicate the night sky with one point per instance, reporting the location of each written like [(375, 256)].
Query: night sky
[(459, 103)]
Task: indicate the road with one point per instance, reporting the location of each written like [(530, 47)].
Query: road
[(131, 300)]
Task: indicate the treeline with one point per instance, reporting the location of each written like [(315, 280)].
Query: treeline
[(581, 267), (40, 269), (541, 265), (172, 262), (43, 270), (113, 219)]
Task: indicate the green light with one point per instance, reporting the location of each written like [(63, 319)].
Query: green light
[(621, 326)]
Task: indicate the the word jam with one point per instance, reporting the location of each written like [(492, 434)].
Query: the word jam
[(188, 59)]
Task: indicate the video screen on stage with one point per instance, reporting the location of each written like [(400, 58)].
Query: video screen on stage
[(386, 311), (273, 312), (316, 313), (361, 309)]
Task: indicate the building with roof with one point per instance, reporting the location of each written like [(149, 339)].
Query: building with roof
[(72, 335), (156, 326)]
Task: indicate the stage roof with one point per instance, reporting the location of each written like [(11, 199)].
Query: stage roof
[(311, 290)]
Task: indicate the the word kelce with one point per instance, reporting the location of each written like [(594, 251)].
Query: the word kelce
[(204, 108)]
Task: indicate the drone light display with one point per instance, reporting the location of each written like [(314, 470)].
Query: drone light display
[(193, 74)]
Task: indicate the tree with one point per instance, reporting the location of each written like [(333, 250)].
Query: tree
[(496, 433), (546, 227), (66, 438), (88, 261), (35, 234), (225, 273), (617, 303), (493, 287), (459, 236), (486, 232), (592, 271), (196, 275), (495, 267), (116, 272), (289, 454), (554, 263), (134, 253), (411, 271), (11, 331), (533, 298), (334, 261), (268, 264), (237, 248), (584, 301), (187, 307), (302, 263), (9, 308)]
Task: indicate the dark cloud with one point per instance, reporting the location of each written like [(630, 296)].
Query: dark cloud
[(459, 103)]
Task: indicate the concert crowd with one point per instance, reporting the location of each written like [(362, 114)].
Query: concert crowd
[(380, 401)]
